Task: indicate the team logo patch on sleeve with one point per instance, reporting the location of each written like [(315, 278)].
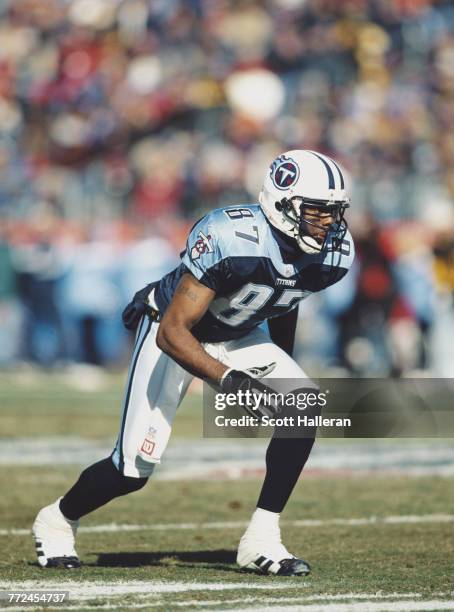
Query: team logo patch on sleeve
[(202, 245), (284, 172)]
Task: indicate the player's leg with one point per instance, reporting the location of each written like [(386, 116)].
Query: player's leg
[(155, 387), (261, 547)]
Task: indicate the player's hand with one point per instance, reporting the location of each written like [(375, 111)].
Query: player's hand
[(136, 308), (233, 381)]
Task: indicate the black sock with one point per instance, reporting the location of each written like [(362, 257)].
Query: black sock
[(285, 459), (97, 485)]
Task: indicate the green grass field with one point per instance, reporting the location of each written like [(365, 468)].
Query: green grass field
[(180, 549), (34, 404)]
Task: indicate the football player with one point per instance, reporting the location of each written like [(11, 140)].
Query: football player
[(243, 265)]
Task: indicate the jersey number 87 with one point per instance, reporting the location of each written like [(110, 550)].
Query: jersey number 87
[(249, 299)]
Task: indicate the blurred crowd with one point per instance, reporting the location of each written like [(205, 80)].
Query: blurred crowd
[(123, 121)]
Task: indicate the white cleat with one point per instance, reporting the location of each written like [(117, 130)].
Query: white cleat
[(269, 556), (54, 538)]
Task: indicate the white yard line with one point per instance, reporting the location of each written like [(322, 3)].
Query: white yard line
[(280, 600), (359, 602), (363, 606), (91, 590), (349, 522), (339, 602)]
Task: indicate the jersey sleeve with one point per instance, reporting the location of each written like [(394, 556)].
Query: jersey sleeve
[(204, 255)]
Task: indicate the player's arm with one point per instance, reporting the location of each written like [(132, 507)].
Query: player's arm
[(282, 330), (174, 337)]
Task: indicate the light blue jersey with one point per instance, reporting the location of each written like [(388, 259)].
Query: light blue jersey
[(234, 251)]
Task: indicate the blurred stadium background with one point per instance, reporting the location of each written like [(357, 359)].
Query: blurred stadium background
[(124, 121)]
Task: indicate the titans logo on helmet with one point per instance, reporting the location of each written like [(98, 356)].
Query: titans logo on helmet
[(284, 172)]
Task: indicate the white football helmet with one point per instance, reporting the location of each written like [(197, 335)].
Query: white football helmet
[(299, 183)]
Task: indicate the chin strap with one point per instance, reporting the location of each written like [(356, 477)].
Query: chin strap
[(309, 245)]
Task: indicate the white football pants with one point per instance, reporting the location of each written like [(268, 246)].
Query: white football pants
[(157, 384)]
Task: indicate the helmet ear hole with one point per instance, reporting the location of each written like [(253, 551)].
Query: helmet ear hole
[(278, 206)]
